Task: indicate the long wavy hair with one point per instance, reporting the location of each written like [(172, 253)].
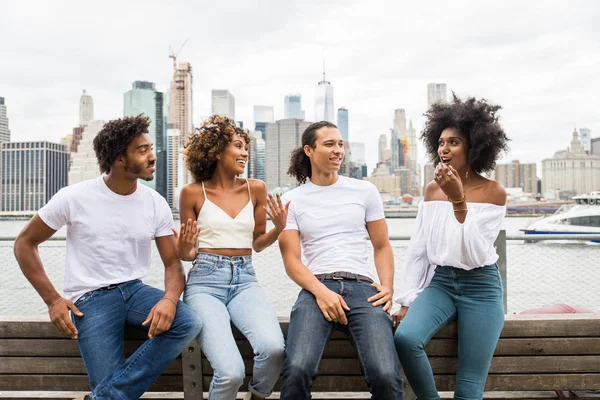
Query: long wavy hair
[(299, 161)]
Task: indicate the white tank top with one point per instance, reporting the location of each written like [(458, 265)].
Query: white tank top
[(219, 231)]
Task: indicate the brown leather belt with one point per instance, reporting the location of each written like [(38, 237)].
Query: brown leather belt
[(343, 275)]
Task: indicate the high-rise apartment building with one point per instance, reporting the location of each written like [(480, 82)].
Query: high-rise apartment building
[(30, 174), (263, 115), (515, 174), (292, 106), (282, 137), (436, 93), (324, 110), (179, 119), (342, 123), (4, 131), (223, 103), (144, 99), (257, 157)]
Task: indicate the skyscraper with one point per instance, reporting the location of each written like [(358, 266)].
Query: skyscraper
[(398, 134), (4, 131), (263, 115), (179, 120), (30, 174), (342, 123), (257, 157), (324, 100), (84, 164), (86, 109), (223, 103), (381, 156), (585, 136), (292, 106), (436, 92), (144, 99), (282, 137)]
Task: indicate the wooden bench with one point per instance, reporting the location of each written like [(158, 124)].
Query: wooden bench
[(536, 355)]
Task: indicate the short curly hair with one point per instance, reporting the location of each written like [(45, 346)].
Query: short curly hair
[(477, 121), (206, 142), (114, 138)]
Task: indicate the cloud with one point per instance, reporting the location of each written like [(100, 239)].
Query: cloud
[(538, 60)]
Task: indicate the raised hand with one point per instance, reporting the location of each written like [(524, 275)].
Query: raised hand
[(277, 211), (449, 181), (187, 238)]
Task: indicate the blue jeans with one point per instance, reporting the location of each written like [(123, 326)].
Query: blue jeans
[(369, 330), (223, 290), (106, 312), (472, 298)]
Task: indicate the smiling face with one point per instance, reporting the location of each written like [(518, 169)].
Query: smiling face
[(453, 149), (328, 154), (235, 155), (140, 159)]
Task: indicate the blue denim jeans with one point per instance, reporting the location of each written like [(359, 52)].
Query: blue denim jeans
[(106, 312), (223, 290), (472, 298), (369, 330)]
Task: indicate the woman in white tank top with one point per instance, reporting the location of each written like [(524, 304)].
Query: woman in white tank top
[(224, 219)]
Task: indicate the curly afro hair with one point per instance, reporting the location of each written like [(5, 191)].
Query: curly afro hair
[(477, 121), (208, 141), (299, 162), (112, 141)]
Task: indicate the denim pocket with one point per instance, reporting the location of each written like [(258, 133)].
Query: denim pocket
[(86, 296), (250, 269), (203, 267)]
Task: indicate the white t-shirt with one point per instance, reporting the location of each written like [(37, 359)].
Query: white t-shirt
[(332, 221), (109, 236)]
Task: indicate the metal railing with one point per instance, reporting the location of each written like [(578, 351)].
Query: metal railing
[(551, 270)]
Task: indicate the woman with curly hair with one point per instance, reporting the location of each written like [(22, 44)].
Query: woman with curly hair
[(225, 219), (450, 271)]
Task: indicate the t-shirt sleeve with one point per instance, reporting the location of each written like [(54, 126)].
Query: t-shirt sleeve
[(374, 204), (292, 222), (164, 220), (56, 213)]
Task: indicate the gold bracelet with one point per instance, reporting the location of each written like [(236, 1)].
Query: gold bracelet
[(458, 201), (462, 209), (171, 300), (52, 305)]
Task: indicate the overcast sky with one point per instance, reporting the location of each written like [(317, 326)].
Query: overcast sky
[(539, 59)]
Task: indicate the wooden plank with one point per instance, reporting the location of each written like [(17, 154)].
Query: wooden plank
[(192, 367), (60, 395), (530, 346), (12, 382), (51, 347), (529, 382), (56, 366)]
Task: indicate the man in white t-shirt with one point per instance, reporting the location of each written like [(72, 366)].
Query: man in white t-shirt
[(111, 222), (330, 218)]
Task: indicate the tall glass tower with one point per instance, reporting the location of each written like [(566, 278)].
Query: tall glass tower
[(324, 100)]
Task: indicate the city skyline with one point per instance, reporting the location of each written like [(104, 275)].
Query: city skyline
[(544, 75)]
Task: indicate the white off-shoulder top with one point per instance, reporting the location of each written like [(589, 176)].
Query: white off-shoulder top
[(439, 239)]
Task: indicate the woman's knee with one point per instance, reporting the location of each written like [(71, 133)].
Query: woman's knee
[(408, 340)]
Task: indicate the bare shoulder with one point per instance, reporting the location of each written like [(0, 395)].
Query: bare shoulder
[(495, 193), (257, 186), (193, 189), (432, 191)]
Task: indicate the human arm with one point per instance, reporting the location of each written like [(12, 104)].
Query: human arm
[(266, 204), (331, 304), (187, 238), (384, 263), (161, 316), (28, 257)]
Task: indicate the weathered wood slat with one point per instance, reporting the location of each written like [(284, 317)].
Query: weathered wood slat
[(56, 365), (11, 382), (525, 325), (447, 365)]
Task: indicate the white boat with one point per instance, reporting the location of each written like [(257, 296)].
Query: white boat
[(582, 217)]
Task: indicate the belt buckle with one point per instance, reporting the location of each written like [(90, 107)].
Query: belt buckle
[(110, 287), (336, 277)]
